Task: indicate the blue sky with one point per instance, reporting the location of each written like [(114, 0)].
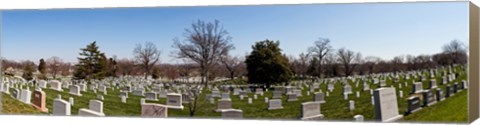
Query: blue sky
[(374, 29)]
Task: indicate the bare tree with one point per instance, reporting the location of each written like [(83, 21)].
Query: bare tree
[(54, 65), (147, 56), (357, 62), (204, 44), (456, 51), (232, 64), (397, 63), (370, 62), (331, 65), (303, 60), (422, 62), (346, 58), (125, 67), (320, 49), (65, 69), (455, 46)]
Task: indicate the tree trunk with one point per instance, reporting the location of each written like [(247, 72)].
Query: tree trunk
[(231, 75), (204, 76)]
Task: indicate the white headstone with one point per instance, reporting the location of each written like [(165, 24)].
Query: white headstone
[(386, 106), (61, 107), (275, 104), (358, 118), (175, 100), (401, 93), (232, 113), (417, 87), (311, 111), (100, 97), (373, 100), (25, 96), (152, 96), (96, 105), (88, 112), (212, 101), (71, 101), (75, 90), (352, 105), (124, 99), (142, 101)]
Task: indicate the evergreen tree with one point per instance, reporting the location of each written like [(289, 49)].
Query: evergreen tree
[(92, 64), (42, 68), (266, 65)]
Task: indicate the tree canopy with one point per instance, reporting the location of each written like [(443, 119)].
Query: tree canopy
[(266, 64), (92, 63)]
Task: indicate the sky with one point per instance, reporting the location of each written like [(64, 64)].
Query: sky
[(384, 30)]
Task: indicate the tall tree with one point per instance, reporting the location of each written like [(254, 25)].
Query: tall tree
[(346, 58), (205, 43), (147, 56), (266, 64), (320, 50), (42, 68), (90, 63), (101, 69), (456, 52)]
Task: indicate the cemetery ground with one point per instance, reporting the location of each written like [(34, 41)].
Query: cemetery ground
[(336, 108)]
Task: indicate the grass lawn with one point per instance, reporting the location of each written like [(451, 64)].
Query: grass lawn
[(15, 107), (452, 109)]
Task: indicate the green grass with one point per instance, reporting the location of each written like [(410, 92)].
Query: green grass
[(15, 107), (335, 108), (454, 110)]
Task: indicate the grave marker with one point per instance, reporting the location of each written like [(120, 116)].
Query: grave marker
[(311, 111), (39, 101), (413, 104), (275, 104), (61, 107), (386, 106)]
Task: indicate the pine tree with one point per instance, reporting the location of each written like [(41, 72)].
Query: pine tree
[(92, 64)]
